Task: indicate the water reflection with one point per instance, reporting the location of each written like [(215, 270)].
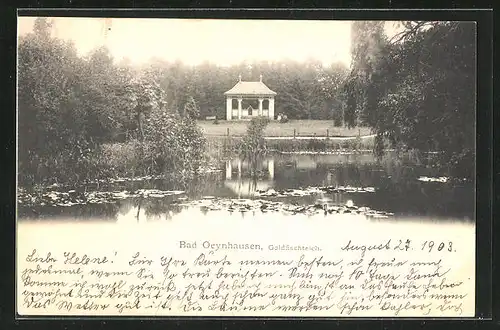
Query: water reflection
[(396, 190), (245, 178)]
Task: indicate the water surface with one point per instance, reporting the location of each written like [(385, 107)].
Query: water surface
[(331, 187)]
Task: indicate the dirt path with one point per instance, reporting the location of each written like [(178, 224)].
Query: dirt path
[(337, 138), (333, 138)]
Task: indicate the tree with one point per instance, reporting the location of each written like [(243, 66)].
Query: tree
[(70, 106), (143, 97), (299, 91), (332, 80), (191, 109), (418, 91), (42, 28), (367, 48), (51, 117)]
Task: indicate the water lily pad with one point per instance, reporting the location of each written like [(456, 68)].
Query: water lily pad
[(441, 179), (313, 191), (266, 206), (157, 193), (380, 216), (72, 197)]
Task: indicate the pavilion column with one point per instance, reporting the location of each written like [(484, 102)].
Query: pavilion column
[(271, 108), (270, 168), (229, 108), (260, 106), (229, 170), (239, 108)]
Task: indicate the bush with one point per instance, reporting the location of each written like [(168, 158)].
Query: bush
[(122, 159), (284, 119), (176, 146), (78, 162), (316, 145), (253, 143)]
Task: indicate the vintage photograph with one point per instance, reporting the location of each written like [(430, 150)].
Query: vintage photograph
[(226, 128)]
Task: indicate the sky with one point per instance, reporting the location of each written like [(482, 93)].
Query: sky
[(193, 41)]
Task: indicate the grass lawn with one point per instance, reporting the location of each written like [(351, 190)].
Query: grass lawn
[(301, 127)]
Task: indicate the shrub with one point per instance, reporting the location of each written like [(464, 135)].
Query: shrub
[(284, 119), (191, 109), (176, 145), (78, 162), (316, 145), (254, 144), (122, 159)]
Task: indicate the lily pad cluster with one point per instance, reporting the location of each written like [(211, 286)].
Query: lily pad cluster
[(313, 191), (209, 169), (264, 206), (334, 152), (441, 179), (202, 170), (133, 179), (73, 197)]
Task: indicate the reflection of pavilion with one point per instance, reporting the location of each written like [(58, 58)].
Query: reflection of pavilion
[(244, 185)]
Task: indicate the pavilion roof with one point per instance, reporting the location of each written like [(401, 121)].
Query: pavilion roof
[(250, 88)]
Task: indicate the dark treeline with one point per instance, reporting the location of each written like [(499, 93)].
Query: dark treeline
[(304, 90), (416, 90)]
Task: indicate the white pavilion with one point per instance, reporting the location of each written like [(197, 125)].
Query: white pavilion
[(248, 99)]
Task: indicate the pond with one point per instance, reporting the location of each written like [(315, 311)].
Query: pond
[(280, 205), (336, 187)]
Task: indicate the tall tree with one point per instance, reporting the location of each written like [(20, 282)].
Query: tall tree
[(368, 44), (419, 93), (332, 81)]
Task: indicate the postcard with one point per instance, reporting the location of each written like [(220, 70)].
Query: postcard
[(252, 168)]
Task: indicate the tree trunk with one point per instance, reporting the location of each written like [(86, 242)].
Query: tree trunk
[(140, 125), (141, 139)]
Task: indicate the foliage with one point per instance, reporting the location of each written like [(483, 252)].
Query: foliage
[(284, 119), (254, 145), (175, 144), (418, 93), (60, 122), (308, 91), (142, 96), (70, 107), (367, 50), (191, 108)]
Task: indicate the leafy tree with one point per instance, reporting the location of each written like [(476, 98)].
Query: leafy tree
[(143, 97), (367, 49), (191, 109), (52, 121), (70, 106), (418, 91), (332, 81)]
